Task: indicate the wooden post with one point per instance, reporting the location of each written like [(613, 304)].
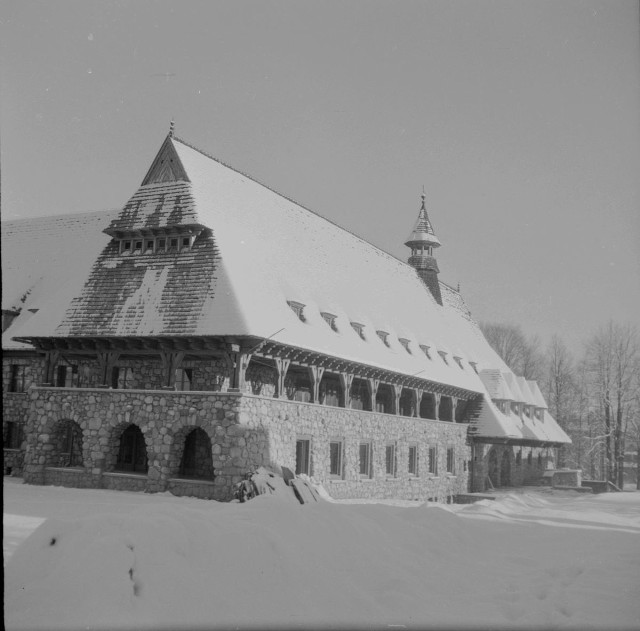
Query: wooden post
[(51, 361), (171, 362), (373, 391), (107, 360), (346, 379), (397, 390), (282, 366), (437, 398), (315, 375), (417, 398), (454, 405)]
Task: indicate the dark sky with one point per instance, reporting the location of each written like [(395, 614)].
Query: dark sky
[(520, 119)]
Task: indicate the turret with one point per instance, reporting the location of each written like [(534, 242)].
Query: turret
[(423, 242)]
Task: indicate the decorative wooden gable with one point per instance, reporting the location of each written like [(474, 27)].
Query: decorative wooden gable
[(167, 166)]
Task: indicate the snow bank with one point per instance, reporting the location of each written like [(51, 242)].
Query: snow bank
[(173, 563)]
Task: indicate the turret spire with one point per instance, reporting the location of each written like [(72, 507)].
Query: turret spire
[(423, 241)]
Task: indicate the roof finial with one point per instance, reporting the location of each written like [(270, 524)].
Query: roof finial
[(171, 128), (423, 198)]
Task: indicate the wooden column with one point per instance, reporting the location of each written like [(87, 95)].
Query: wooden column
[(454, 404), (171, 361), (240, 364), (282, 366), (437, 397), (417, 401), (51, 361), (315, 375), (107, 360), (397, 390), (373, 391), (346, 379)]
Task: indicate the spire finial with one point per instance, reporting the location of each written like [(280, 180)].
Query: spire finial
[(423, 198), (171, 128)]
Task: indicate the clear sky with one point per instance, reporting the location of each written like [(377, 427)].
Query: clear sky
[(521, 120)]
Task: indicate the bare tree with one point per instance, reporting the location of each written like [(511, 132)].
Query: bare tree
[(519, 353)]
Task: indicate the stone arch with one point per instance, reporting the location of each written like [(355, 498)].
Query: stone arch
[(128, 449), (192, 453), (493, 472), (68, 444), (428, 405)]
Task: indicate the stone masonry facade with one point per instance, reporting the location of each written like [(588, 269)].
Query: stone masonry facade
[(245, 432)]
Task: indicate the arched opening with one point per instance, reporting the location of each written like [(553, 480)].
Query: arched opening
[(132, 451), (428, 405), (197, 461), (505, 469), (67, 441), (492, 469), (445, 411), (384, 398)]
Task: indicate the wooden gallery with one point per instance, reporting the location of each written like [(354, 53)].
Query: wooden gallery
[(212, 326)]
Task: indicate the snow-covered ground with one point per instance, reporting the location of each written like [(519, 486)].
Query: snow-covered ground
[(111, 560)]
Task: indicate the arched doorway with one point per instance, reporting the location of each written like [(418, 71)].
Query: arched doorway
[(505, 469), (492, 469), (197, 461), (67, 440), (132, 451)]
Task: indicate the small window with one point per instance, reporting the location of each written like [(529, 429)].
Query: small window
[(149, 246), (358, 328), (162, 245), (138, 245), (384, 336), (458, 361), (405, 343), (519, 458), (303, 448), (530, 459), (425, 350), (186, 243), (474, 365), (413, 460), (451, 462), (121, 378), (125, 246), (433, 460), (17, 381), (184, 377), (515, 408), (173, 243), (298, 309), (364, 452), (443, 354), (390, 459), (335, 459), (330, 319), (67, 376)]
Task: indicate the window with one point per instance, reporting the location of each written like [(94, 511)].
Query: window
[(530, 459), (184, 377), (443, 354), (358, 328), (17, 381), (390, 459), (384, 336), (330, 319), (515, 408), (335, 459), (12, 435), (125, 245), (297, 308), (303, 448), (451, 462), (413, 460), (474, 365), (149, 245), (458, 361), (186, 243), (121, 378), (132, 454), (364, 453), (137, 245), (405, 343), (173, 243), (162, 245), (425, 350), (433, 460), (519, 458)]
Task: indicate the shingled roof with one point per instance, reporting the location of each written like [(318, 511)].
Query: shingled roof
[(254, 253)]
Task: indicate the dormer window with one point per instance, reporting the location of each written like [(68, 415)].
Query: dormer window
[(298, 309), (384, 336), (443, 354), (405, 342), (186, 243), (162, 245), (358, 328), (515, 408), (137, 246), (125, 245), (474, 365), (173, 243), (458, 361), (425, 349), (149, 245), (330, 319)]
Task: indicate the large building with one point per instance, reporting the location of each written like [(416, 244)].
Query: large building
[(212, 326)]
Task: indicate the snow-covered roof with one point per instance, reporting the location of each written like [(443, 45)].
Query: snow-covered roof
[(496, 384), (254, 253)]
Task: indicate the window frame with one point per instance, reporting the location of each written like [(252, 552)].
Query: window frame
[(391, 460), (365, 468), (451, 461), (17, 378), (433, 461), (339, 473), (304, 441), (413, 471)]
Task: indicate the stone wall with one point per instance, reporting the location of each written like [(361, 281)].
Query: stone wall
[(245, 431), (34, 366)]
